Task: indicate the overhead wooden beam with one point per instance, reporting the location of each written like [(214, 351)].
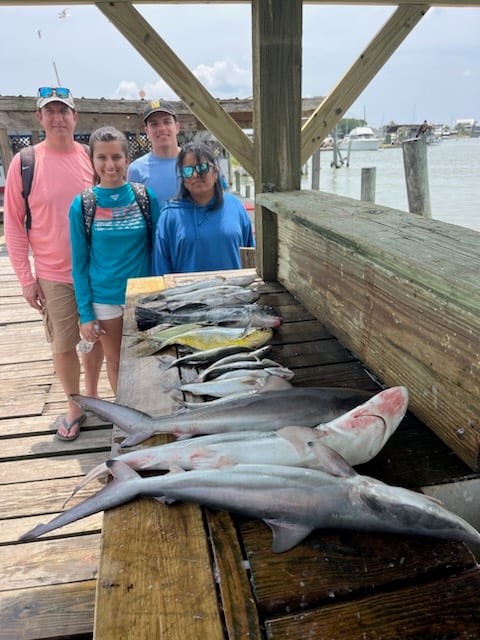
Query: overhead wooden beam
[(177, 75), (385, 3), (334, 106), (277, 91)]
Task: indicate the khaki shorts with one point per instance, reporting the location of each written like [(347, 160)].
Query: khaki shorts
[(60, 315)]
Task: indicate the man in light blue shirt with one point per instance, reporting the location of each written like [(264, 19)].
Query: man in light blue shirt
[(157, 168)]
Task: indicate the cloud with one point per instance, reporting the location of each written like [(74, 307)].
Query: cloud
[(225, 79)]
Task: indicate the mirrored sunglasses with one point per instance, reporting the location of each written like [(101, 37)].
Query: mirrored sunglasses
[(48, 92), (202, 168)]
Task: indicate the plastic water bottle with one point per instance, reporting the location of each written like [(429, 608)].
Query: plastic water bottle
[(84, 346)]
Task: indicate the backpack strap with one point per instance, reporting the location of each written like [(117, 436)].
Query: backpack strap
[(143, 201), (27, 167), (89, 205)]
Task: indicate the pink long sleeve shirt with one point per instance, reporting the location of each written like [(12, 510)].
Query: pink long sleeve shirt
[(57, 179)]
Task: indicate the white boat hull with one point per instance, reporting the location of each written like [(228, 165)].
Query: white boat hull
[(360, 139)]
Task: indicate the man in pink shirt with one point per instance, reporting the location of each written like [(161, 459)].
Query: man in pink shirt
[(62, 170)]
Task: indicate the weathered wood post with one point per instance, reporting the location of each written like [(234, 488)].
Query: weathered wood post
[(368, 183), (316, 170), (416, 174), (236, 173)]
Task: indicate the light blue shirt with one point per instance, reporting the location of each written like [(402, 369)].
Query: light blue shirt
[(159, 174)]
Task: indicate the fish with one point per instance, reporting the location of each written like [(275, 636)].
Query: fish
[(291, 446), (215, 370), (248, 315), (236, 382), (221, 294), (207, 356), (357, 436), (238, 281), (292, 501), (246, 354), (372, 423), (302, 406), (214, 337), (235, 296)]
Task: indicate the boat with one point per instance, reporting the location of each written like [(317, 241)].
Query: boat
[(360, 139)]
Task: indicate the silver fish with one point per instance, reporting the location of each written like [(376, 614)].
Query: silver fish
[(236, 295), (215, 370), (248, 315), (202, 296), (357, 436), (254, 355), (292, 501), (235, 382), (302, 406), (208, 283), (206, 356)]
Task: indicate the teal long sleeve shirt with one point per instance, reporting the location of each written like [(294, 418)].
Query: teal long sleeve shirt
[(118, 248)]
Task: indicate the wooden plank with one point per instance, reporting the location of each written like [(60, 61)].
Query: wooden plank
[(49, 445), (331, 565), (438, 609), (174, 576), (51, 467), (238, 604), (12, 528), (55, 561), (61, 610), (401, 292)]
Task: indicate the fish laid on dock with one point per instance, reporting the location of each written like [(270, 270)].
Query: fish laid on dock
[(208, 283), (220, 295), (209, 356), (214, 337), (302, 406), (292, 501), (238, 381), (357, 436), (247, 315)]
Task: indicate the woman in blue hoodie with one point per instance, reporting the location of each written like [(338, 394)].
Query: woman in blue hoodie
[(203, 228)]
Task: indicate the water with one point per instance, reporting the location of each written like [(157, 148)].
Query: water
[(453, 172)]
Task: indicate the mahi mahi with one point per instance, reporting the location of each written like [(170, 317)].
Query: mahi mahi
[(302, 406), (292, 501), (214, 337)]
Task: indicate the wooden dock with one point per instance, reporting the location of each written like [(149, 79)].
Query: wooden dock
[(48, 587), (184, 572)]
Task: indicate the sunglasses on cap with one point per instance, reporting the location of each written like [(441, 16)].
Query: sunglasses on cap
[(48, 92), (202, 168)]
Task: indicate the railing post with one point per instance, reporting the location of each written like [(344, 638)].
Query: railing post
[(416, 174), (368, 183)]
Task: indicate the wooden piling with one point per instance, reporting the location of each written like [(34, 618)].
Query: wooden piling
[(416, 174), (368, 184), (316, 170)]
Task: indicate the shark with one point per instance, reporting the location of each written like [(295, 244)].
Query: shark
[(292, 501)]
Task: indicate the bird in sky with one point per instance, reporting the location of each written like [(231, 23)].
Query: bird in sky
[(64, 13)]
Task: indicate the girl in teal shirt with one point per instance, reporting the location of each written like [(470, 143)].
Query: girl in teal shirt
[(117, 247)]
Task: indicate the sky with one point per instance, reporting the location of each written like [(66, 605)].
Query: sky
[(434, 75)]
